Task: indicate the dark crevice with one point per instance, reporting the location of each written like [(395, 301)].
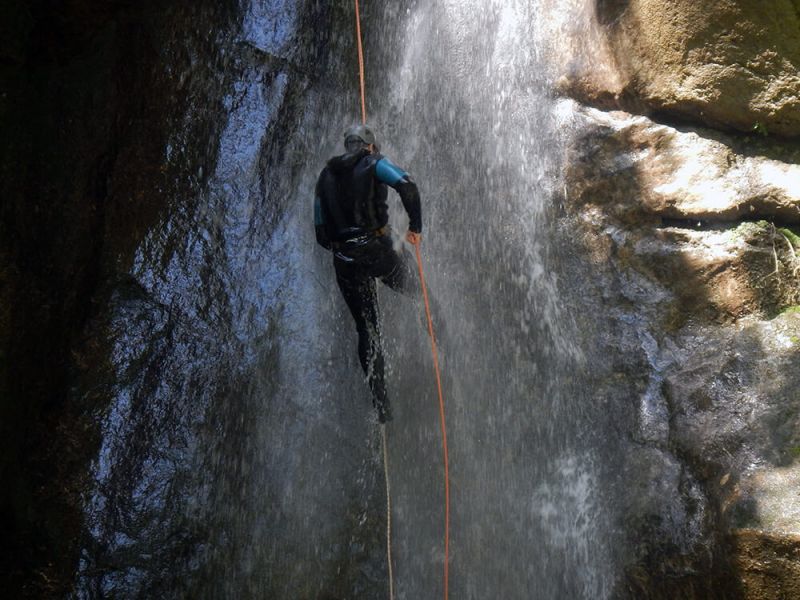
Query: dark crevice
[(608, 12), (89, 96), (745, 144)]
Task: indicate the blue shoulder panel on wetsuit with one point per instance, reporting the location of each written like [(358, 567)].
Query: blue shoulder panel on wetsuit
[(388, 172)]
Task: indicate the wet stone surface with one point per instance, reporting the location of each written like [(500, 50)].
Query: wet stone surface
[(141, 269)]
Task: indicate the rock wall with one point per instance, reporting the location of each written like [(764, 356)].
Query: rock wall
[(166, 424), (683, 199), (128, 279), (136, 140), (91, 92)]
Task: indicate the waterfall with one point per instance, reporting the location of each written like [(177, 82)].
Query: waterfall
[(466, 96), (240, 456)]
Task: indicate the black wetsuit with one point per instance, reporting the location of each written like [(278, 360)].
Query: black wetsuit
[(351, 219)]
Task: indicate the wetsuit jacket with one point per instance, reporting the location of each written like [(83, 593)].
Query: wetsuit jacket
[(351, 197)]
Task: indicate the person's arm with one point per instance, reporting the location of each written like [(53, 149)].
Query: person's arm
[(397, 178)]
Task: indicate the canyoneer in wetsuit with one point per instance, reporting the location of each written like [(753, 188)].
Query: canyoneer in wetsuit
[(351, 219)]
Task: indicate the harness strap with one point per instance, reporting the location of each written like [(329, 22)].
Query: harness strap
[(361, 238)]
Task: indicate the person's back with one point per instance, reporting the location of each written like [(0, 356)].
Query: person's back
[(352, 201)]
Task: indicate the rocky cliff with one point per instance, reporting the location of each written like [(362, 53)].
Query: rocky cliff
[(684, 195)]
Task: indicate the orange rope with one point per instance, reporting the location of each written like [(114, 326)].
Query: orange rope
[(433, 350), (441, 420), (361, 67)]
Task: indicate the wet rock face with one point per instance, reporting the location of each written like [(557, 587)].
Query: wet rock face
[(692, 238), (731, 64), (157, 424), (698, 345), (733, 398), (91, 91)]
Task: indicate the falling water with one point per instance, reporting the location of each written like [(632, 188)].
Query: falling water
[(467, 94), (240, 455)]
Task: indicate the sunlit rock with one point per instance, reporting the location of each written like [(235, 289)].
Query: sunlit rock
[(767, 565), (712, 226), (686, 174)]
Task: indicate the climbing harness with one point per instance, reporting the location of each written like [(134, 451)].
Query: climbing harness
[(435, 354)]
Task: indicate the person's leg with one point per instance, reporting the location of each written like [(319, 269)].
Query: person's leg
[(401, 275), (399, 272), (360, 295)]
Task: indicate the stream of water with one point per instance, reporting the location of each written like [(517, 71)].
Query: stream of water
[(467, 95)]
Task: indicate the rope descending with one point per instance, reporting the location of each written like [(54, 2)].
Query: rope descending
[(435, 354), (388, 511)]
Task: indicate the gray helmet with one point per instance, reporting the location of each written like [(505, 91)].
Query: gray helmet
[(358, 136)]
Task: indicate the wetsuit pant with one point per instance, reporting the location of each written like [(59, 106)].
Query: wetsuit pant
[(356, 272)]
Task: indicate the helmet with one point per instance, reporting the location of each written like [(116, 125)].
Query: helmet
[(358, 136)]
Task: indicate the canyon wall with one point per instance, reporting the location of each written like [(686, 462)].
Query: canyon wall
[(684, 197)]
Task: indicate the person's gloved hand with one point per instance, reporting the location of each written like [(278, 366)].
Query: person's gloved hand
[(414, 238)]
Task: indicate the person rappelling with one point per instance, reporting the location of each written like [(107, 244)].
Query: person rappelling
[(351, 219)]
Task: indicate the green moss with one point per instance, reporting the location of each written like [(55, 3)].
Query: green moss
[(788, 310), (794, 238)]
